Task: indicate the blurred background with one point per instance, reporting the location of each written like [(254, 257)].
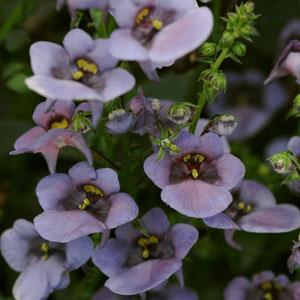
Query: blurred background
[(211, 263)]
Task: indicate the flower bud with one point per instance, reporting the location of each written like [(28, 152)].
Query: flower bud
[(116, 113), (282, 163), (239, 49), (246, 30), (296, 103), (208, 49), (179, 113), (223, 125), (81, 122), (155, 104), (249, 7), (227, 39)]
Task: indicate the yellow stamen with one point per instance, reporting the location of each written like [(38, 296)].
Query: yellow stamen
[(199, 158), (143, 242), (267, 285), (87, 66), (277, 286), (268, 296), (173, 148), (153, 239), (187, 157), (146, 253), (157, 24), (142, 15), (85, 203), (61, 124), (45, 249), (241, 206), (248, 208), (195, 173), (89, 188), (77, 75)]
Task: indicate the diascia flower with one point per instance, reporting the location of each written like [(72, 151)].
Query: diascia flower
[(139, 260), (53, 132), (157, 32), (44, 265), (81, 70), (263, 286), (74, 5), (287, 63), (196, 182), (88, 199), (254, 209)]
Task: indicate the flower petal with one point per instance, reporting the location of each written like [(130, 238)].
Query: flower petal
[(220, 221), (127, 233), (238, 289), (82, 173), (294, 145), (196, 198), (52, 225), (27, 138)]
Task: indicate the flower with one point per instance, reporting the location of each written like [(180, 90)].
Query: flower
[(156, 33), (44, 265), (254, 209), (81, 70), (290, 31), (196, 182), (287, 63), (89, 199), (293, 261), (74, 5), (139, 260), (263, 286), (53, 132), (250, 102)]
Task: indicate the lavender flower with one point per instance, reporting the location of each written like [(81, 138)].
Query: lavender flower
[(74, 5), (293, 261), (289, 32), (139, 260), (81, 70), (254, 209), (53, 132), (263, 286), (196, 182), (44, 265), (156, 33), (287, 63), (252, 104), (89, 199)]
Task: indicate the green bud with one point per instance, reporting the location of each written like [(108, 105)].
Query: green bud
[(283, 162), (246, 30), (239, 49), (81, 122), (249, 7), (214, 82), (179, 113), (227, 39), (208, 49), (296, 102)]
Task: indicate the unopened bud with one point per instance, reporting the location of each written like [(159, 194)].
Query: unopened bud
[(116, 113), (239, 49), (81, 122), (223, 125), (179, 113), (208, 49), (282, 163)]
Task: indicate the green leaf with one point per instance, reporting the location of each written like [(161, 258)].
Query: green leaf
[(17, 83)]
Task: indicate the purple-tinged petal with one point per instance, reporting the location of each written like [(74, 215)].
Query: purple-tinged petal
[(143, 277), (65, 226), (175, 292), (262, 276), (280, 218), (179, 6), (123, 210), (116, 83), (77, 43), (252, 192), (158, 170), (229, 238), (16, 243), (150, 70), (128, 234), (53, 190), (182, 237), (275, 146), (238, 289), (196, 198), (39, 279), (182, 36), (61, 89), (155, 221), (293, 261), (294, 186), (295, 289), (86, 4), (107, 180), (111, 258), (106, 294), (42, 117), (96, 109), (78, 252), (27, 138), (230, 170), (82, 173), (46, 57), (294, 145), (220, 221), (125, 47), (274, 97)]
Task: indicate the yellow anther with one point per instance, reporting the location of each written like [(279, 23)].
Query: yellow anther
[(277, 286), (143, 242), (195, 173), (77, 75), (146, 253), (199, 158), (89, 188), (45, 257), (173, 147), (241, 206), (61, 124), (45, 249), (187, 157), (153, 239), (157, 24), (142, 15), (86, 66), (268, 296), (267, 285), (248, 208), (85, 203)]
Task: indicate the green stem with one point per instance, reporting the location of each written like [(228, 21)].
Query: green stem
[(220, 59)]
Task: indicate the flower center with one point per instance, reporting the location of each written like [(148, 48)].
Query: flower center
[(92, 195), (143, 19), (193, 163), (244, 208), (147, 244), (61, 123), (270, 290), (84, 67), (44, 247)]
